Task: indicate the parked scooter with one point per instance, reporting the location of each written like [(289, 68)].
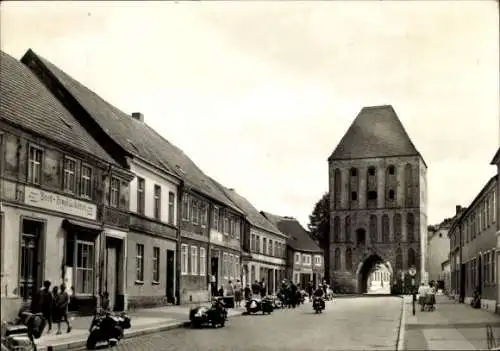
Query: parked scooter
[(318, 304), (215, 315), (264, 305), (107, 327), (20, 335)]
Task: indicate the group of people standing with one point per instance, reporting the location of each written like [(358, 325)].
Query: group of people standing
[(53, 305)]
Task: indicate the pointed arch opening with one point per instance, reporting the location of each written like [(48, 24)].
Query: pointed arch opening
[(385, 229), (337, 189), (336, 229), (399, 260), (412, 261), (398, 230), (408, 185), (337, 260), (348, 259), (410, 227), (367, 268), (373, 229), (348, 229)]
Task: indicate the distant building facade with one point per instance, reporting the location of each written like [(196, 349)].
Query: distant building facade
[(263, 247), (473, 248), (438, 246), (305, 258), (378, 197)]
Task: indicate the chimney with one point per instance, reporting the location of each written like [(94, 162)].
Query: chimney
[(458, 209), (138, 116)]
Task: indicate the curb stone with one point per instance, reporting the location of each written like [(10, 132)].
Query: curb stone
[(402, 326), (79, 344)]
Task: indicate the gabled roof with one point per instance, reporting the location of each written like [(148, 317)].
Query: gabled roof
[(254, 217), (136, 137), (299, 239), (375, 132), (27, 103), (496, 158)]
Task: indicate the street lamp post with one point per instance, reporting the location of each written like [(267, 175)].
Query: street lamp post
[(413, 271)]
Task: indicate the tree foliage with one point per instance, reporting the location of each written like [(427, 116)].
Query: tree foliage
[(319, 221)]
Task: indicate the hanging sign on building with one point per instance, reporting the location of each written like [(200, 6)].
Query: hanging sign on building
[(59, 203)]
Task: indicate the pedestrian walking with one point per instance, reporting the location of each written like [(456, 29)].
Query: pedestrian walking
[(237, 293), (263, 288), (46, 301), (105, 302), (248, 292), (213, 285), (62, 303)]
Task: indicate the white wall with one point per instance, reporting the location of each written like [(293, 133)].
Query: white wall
[(438, 250), (152, 178)]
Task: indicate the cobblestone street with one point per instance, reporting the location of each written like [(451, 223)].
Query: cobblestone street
[(347, 324)]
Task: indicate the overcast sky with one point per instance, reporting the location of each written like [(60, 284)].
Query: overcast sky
[(258, 94)]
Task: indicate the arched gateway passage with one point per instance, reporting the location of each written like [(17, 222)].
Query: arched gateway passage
[(366, 268)]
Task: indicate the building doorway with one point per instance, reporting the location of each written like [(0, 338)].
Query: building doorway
[(113, 246), (30, 263), (170, 284), (214, 270)]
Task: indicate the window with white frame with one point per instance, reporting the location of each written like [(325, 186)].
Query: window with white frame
[(194, 260), (226, 225), (203, 261), (237, 234), (69, 175), (156, 264), (296, 278), (184, 259), (141, 195), (115, 192), (264, 246), (157, 202), (270, 248), (84, 267), (257, 244), (194, 211), (317, 260), (139, 262), (35, 165), (297, 258), (252, 242), (215, 224), (86, 182), (204, 214), (225, 264), (171, 207), (185, 207)]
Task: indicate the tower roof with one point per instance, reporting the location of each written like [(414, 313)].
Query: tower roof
[(375, 132)]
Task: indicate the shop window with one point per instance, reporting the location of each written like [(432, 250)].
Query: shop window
[(84, 267)]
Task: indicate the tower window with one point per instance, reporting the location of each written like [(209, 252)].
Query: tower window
[(392, 170), (392, 195), (354, 196), (371, 171), (372, 195), (354, 172)]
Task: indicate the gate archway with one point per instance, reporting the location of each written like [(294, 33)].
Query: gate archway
[(366, 267)]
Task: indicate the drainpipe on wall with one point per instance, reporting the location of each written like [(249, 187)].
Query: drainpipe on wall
[(208, 257), (180, 195)]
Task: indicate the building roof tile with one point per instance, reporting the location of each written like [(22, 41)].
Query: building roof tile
[(137, 138), (27, 103), (254, 217), (299, 239), (375, 132)]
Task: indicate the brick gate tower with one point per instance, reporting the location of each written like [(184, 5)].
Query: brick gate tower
[(378, 197)]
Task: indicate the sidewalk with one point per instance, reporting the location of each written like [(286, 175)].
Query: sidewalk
[(144, 321), (451, 326)]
